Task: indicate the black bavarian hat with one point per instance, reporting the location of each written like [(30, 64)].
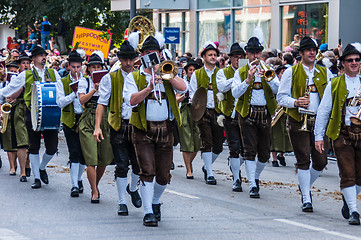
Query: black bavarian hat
[(150, 43), (38, 51), (13, 64), (210, 46), (253, 45), (96, 58), (74, 56), (126, 51), (350, 49), (307, 43), (23, 56), (236, 49), (192, 63)]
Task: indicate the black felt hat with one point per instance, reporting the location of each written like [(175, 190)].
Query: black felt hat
[(307, 43), (74, 56), (192, 63), (150, 43), (210, 46), (126, 51), (12, 64), (23, 56), (38, 51), (253, 45), (349, 49), (96, 58), (236, 49)]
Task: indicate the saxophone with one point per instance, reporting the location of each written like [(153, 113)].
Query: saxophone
[(5, 109)]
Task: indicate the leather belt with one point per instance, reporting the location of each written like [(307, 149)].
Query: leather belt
[(257, 85)]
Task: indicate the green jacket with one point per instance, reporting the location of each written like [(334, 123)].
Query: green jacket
[(116, 100), (226, 106), (203, 81), (67, 112)]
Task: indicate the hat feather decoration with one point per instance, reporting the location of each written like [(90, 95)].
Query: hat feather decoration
[(133, 39), (326, 62), (258, 33), (209, 43), (160, 38), (81, 52), (357, 45), (100, 54), (242, 44)]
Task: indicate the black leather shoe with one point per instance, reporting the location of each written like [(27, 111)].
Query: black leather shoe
[(23, 179), (28, 172), (149, 220), (156, 211), (237, 186), (136, 200), (307, 207), (254, 193), (122, 210), (345, 210), (204, 173), (282, 160), (275, 164), (81, 187), (12, 173), (44, 176), (173, 166), (354, 219), (36, 184), (189, 177), (257, 184), (211, 180), (74, 192)]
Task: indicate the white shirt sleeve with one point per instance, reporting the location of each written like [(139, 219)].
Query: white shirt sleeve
[(274, 84), (83, 85), (182, 92), (193, 85), (129, 88), (323, 113), (62, 100), (223, 84), (15, 84), (105, 88), (238, 87), (284, 95)]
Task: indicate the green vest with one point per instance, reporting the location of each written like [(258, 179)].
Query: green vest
[(203, 81), (243, 103), (116, 100), (299, 77), (339, 95), (67, 113), (226, 106), (29, 80), (138, 117)]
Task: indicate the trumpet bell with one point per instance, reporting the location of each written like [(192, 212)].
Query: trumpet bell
[(356, 121), (168, 70)]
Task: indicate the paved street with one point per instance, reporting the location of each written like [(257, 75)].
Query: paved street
[(191, 209)]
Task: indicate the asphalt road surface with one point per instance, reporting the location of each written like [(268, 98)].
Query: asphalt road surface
[(191, 209)]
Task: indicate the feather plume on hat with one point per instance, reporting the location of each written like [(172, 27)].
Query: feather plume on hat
[(160, 38), (209, 43), (81, 52), (100, 54), (326, 62), (357, 45), (133, 39)]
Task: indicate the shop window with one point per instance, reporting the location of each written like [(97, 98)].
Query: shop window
[(247, 3), (205, 4)]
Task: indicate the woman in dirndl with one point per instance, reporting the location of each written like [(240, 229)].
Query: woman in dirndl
[(188, 131), (97, 155)]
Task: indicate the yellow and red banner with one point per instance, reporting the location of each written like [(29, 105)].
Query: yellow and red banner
[(90, 41)]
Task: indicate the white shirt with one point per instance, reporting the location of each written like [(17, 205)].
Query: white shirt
[(83, 86), (224, 84), (284, 96), (105, 89), (258, 98), (193, 87), (324, 111), (154, 110), (63, 101), (2, 85)]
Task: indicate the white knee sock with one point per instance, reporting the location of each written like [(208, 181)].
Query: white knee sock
[(207, 159), (358, 189), (45, 161), (214, 157), (304, 181), (134, 179), (235, 166), (314, 175), (351, 198), (158, 191), (259, 168), (74, 171), (251, 172), (121, 187), (146, 191), (35, 163), (81, 170)]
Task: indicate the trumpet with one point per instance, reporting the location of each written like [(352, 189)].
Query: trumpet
[(268, 75), (305, 111), (356, 118), (168, 69), (6, 109)]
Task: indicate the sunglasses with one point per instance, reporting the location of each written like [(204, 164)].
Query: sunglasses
[(350, 60)]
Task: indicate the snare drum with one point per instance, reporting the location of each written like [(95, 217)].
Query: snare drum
[(45, 113)]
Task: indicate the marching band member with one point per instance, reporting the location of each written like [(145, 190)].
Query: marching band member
[(71, 110), (256, 103), (336, 114), (26, 79), (291, 94), (97, 155), (231, 127), (153, 134), (211, 133), (111, 94)]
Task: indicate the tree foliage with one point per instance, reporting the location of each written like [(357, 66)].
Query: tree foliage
[(93, 14)]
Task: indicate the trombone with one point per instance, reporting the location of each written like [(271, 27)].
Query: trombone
[(268, 75)]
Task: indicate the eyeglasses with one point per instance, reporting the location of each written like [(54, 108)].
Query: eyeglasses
[(350, 60)]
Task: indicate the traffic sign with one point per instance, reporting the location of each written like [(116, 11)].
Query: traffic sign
[(172, 35)]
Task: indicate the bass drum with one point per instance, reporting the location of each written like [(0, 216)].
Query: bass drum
[(45, 113)]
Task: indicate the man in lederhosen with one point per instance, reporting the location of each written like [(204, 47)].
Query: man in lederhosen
[(71, 109), (111, 95), (291, 94), (226, 105), (211, 133), (26, 80), (340, 103), (153, 134), (256, 104)]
